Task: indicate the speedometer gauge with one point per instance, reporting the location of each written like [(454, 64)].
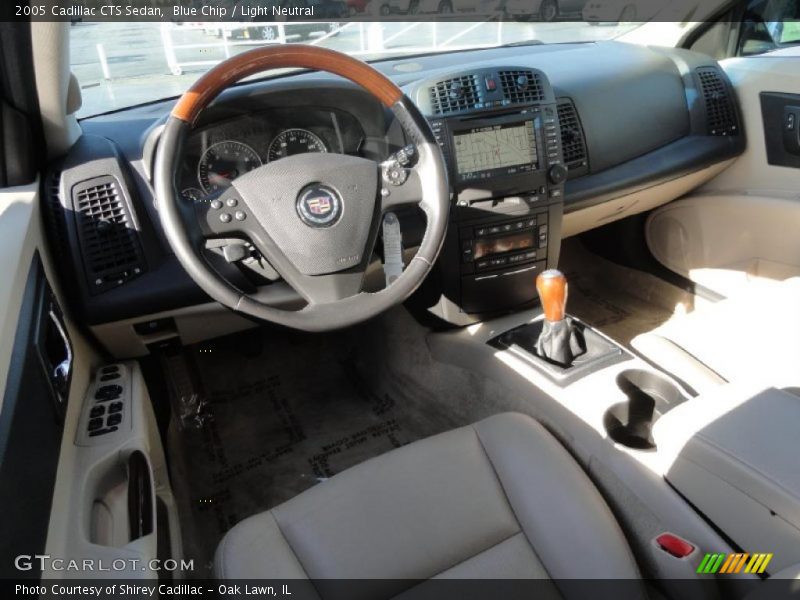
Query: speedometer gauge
[(223, 162), (294, 141)]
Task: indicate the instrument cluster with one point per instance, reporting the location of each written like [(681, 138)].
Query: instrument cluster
[(217, 154)]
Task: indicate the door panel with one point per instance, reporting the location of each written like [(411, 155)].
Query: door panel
[(64, 492), (34, 392), (738, 230), (30, 431)]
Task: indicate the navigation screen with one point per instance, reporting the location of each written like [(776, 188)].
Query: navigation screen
[(510, 147)]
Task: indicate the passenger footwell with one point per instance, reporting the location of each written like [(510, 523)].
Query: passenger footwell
[(619, 301)]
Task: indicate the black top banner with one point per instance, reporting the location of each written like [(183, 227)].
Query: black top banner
[(185, 11)]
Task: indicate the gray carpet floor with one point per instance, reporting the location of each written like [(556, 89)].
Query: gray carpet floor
[(281, 412)]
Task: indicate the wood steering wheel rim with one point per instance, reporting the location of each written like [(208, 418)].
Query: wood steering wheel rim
[(209, 86)]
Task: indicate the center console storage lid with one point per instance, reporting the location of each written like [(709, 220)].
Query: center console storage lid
[(733, 454)]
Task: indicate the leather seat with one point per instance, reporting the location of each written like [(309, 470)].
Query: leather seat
[(497, 499), (753, 337)]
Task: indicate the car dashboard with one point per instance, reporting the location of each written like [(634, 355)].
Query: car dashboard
[(607, 123)]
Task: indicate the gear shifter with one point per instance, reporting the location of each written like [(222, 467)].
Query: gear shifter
[(560, 341), (561, 348)]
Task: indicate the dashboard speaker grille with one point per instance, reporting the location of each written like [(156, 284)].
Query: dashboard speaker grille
[(720, 112), (454, 95), (112, 253), (573, 143), (522, 86)]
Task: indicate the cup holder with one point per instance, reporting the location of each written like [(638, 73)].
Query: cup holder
[(649, 395)]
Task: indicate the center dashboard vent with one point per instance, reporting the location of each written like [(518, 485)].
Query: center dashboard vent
[(573, 142), (110, 245), (721, 116), (521, 86), (454, 95)]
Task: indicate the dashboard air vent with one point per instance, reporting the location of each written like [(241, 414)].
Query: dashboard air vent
[(109, 241), (720, 112), (573, 143), (454, 95), (521, 87)]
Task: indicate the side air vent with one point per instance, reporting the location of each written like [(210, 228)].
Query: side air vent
[(573, 143), (454, 95), (521, 87), (720, 112), (109, 242)]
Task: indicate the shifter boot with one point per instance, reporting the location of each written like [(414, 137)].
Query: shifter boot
[(560, 342)]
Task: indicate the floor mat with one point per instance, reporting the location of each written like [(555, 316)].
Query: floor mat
[(282, 413), (619, 301)]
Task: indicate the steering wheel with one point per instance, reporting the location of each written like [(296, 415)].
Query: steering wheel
[(313, 217)]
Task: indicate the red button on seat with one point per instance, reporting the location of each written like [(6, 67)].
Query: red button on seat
[(674, 545)]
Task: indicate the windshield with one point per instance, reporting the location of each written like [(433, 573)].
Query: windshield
[(124, 64)]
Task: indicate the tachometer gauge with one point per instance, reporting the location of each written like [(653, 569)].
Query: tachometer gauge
[(223, 162), (193, 194), (294, 141)]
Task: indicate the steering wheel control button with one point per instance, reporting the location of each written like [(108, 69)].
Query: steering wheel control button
[(240, 215), (394, 173), (394, 169), (319, 205), (225, 217), (216, 204), (232, 202), (406, 156)]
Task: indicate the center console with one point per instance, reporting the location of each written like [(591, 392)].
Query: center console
[(732, 453), (499, 132)]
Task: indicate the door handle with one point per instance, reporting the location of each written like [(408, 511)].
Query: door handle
[(62, 371), (140, 496)]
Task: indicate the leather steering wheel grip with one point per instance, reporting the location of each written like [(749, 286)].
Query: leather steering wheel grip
[(187, 245)]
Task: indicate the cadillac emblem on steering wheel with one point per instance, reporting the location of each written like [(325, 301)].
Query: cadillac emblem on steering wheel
[(319, 205)]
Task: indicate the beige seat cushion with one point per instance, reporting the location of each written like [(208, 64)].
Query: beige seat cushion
[(498, 499)]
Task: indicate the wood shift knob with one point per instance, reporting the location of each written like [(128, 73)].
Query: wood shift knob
[(552, 288)]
